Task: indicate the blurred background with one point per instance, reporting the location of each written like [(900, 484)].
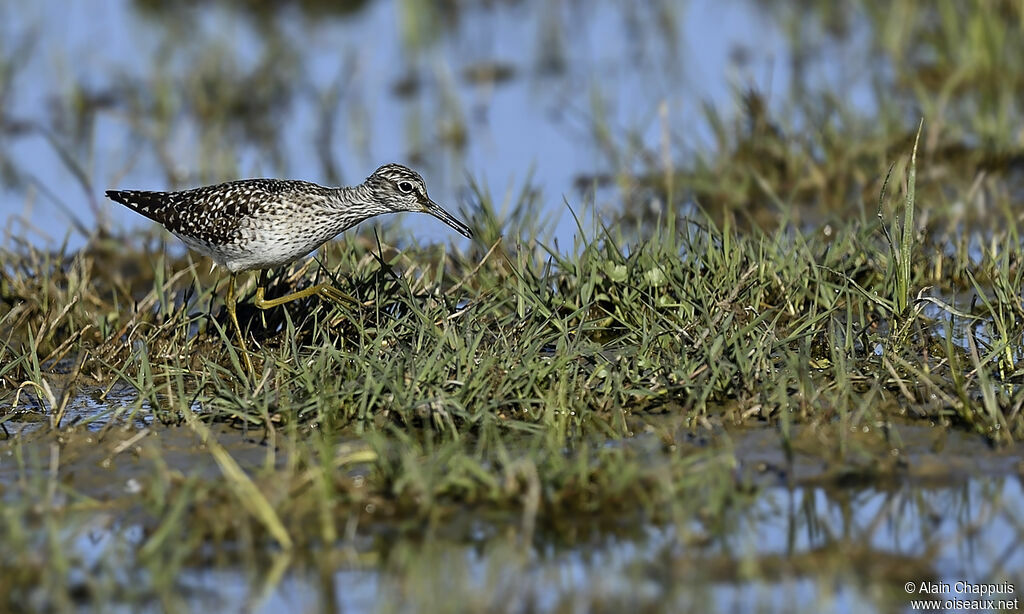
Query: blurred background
[(614, 104), (539, 121)]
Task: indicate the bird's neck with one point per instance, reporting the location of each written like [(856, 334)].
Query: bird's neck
[(352, 196), (351, 205)]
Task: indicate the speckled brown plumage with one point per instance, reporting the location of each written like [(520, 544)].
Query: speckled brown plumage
[(261, 223)]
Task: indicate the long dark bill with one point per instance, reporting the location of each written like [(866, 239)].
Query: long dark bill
[(435, 210)]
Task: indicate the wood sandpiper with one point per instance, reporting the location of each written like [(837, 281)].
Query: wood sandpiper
[(256, 224)]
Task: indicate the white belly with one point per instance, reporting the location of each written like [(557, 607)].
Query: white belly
[(262, 248)]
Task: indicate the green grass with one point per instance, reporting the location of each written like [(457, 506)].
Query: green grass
[(558, 390), (512, 337), (491, 381)]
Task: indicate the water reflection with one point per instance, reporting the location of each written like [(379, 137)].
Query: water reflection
[(793, 535), (506, 93), (804, 549)]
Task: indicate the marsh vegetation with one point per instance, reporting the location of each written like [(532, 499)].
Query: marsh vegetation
[(772, 346)]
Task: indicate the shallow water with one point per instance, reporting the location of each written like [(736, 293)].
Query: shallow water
[(815, 531), (833, 522), (803, 549), (565, 78)]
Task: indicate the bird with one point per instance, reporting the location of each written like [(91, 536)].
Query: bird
[(257, 224)]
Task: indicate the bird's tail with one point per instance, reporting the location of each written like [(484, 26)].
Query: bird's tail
[(149, 204)]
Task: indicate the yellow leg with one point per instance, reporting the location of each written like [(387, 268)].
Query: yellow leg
[(230, 304), (324, 291)]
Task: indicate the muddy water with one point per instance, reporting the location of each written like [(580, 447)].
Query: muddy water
[(828, 523)]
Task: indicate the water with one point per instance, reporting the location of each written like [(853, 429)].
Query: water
[(793, 549), (809, 535), (581, 78)]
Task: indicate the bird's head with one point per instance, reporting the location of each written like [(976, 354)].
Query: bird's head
[(400, 188)]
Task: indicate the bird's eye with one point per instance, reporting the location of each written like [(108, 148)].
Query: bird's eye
[(405, 187)]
